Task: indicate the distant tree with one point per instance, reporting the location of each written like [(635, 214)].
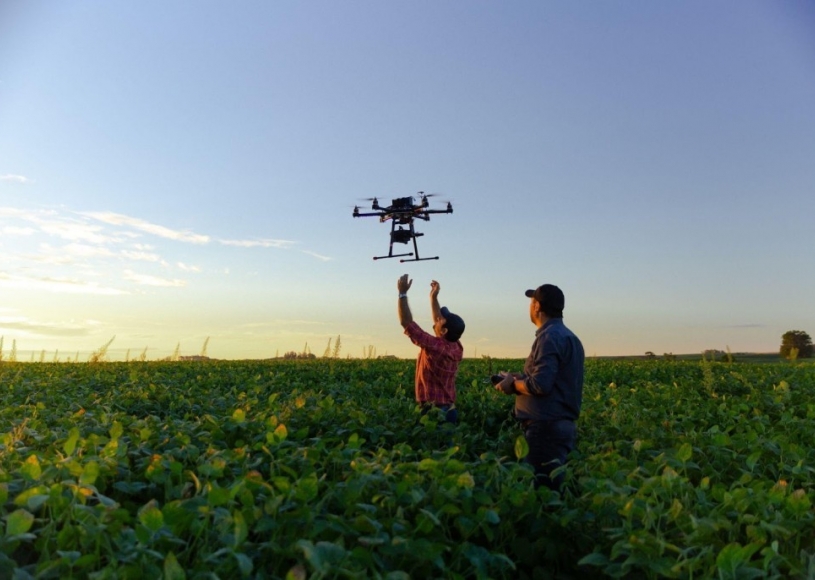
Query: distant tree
[(798, 340), (650, 355), (299, 355)]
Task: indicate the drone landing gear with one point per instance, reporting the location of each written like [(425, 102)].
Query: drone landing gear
[(403, 236), (418, 259)]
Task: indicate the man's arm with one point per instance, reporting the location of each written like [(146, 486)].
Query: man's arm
[(435, 309), (403, 285), (541, 379)]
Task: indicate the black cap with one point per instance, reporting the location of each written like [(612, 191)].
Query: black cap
[(454, 325), (551, 299)]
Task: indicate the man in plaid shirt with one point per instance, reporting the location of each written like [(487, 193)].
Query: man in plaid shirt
[(438, 360)]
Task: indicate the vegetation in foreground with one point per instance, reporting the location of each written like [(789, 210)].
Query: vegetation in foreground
[(325, 469)]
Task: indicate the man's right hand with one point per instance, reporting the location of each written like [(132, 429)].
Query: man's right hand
[(403, 284)]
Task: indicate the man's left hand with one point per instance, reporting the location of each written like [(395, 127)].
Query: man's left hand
[(434, 289), (507, 386)]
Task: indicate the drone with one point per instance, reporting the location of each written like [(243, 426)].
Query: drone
[(402, 212)]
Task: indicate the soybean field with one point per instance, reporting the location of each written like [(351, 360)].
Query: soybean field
[(325, 468)]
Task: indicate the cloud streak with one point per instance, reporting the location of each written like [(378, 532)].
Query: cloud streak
[(15, 178), (262, 243), (148, 280), (56, 285), (27, 326), (65, 251), (316, 255), (117, 219)]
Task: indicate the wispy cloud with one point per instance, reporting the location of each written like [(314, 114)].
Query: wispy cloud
[(49, 222), (57, 285), (140, 256), (17, 231), (316, 255), (27, 326), (187, 267), (117, 219), (61, 250), (15, 178), (69, 254), (262, 243), (148, 280)]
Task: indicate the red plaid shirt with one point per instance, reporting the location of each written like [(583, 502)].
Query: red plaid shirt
[(436, 366)]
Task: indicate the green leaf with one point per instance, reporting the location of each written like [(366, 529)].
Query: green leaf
[(280, 434), (217, 496), (465, 480), (684, 453), (116, 430), (307, 488), (70, 443), (31, 469), (593, 559), (25, 498), (244, 563), (428, 464), (151, 517), (521, 447), (297, 572), (730, 558), (239, 416), (89, 473), (323, 556), (489, 516), (241, 529), (19, 522), (172, 569)]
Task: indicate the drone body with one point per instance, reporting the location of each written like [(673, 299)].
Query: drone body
[(402, 212)]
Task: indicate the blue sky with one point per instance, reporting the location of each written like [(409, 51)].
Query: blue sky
[(176, 171)]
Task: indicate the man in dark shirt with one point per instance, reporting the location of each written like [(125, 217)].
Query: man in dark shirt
[(438, 360), (549, 393)]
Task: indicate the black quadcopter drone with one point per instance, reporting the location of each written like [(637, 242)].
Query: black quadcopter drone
[(402, 212)]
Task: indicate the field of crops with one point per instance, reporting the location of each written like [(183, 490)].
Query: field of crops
[(326, 469)]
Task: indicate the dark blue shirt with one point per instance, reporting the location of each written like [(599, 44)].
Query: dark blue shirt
[(553, 373)]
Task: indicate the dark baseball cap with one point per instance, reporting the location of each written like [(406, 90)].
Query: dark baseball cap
[(454, 325), (550, 297)]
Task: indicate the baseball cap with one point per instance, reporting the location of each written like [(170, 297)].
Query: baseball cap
[(550, 297), (454, 325)]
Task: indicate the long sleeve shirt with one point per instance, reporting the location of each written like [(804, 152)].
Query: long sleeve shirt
[(553, 373), (436, 366)]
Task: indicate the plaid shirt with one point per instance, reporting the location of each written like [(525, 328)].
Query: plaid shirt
[(436, 366)]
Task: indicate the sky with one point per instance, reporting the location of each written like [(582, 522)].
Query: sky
[(175, 175)]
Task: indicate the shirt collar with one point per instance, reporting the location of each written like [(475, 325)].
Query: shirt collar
[(548, 324)]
